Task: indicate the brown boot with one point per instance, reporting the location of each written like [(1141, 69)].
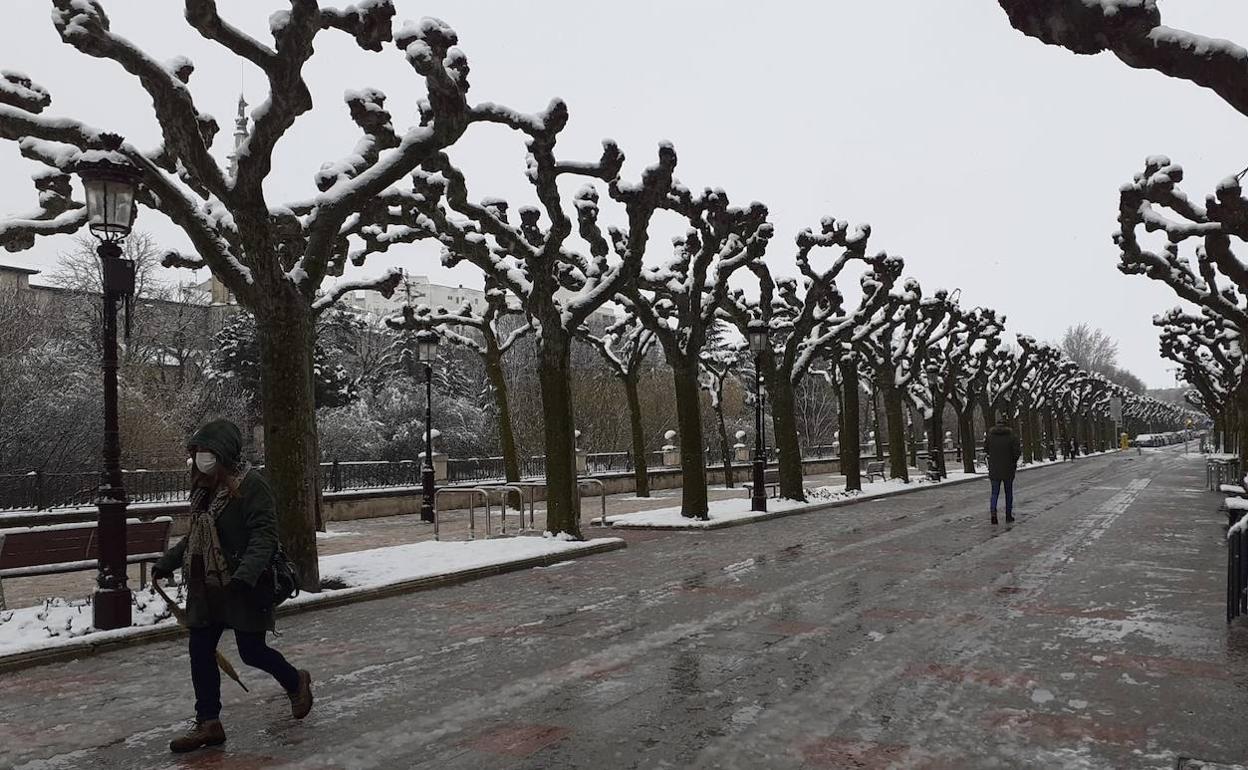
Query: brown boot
[(301, 699), (206, 733)]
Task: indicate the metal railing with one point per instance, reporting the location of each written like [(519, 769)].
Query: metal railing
[(41, 491), (491, 468), (37, 490)]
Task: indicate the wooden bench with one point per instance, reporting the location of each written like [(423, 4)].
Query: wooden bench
[(60, 548), (771, 480), (874, 468)]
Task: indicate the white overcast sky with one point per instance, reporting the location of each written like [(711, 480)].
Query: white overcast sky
[(989, 161)]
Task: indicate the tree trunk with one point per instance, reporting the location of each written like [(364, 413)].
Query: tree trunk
[(725, 449), (784, 424), (990, 414), (562, 495), (894, 413), (641, 474), (879, 434), (912, 440), (936, 436), (285, 329), (851, 431), (506, 436), (693, 500), (966, 434), (1028, 440), (1241, 409)]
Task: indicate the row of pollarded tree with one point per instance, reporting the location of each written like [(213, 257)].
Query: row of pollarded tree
[(1162, 233), (563, 259), (920, 354)]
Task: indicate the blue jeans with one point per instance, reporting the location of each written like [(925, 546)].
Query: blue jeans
[(1009, 494), (254, 652)]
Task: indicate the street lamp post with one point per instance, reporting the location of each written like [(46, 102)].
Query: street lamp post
[(426, 352), (109, 180), (759, 340)]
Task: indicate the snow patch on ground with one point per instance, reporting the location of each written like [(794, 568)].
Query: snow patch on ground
[(330, 535), (738, 509), (59, 622)]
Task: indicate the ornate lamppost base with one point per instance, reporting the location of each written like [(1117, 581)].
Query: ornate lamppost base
[(428, 490), (758, 495), (111, 608)]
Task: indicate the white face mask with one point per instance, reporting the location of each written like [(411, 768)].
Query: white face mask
[(205, 461)]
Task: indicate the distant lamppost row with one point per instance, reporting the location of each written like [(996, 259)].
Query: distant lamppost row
[(110, 180), (426, 352), (759, 340)]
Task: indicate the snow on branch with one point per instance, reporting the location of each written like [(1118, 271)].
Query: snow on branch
[(384, 284), (1132, 31), (1153, 201), (623, 345), (18, 90), (58, 213), (84, 25)]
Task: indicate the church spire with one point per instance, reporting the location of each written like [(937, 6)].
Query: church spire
[(240, 133)]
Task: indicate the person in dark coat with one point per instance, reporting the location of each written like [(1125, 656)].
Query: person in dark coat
[(1003, 449), (226, 553)]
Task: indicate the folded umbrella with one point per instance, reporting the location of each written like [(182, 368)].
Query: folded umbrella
[(223, 663)]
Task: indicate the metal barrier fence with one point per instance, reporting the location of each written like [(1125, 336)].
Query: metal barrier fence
[(1236, 575)]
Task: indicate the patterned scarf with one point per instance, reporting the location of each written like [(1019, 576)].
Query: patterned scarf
[(202, 540)]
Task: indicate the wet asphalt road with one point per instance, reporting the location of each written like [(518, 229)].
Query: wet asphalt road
[(901, 633)]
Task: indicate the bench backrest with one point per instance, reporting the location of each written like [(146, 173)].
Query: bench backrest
[(771, 477), (41, 547), (875, 466)]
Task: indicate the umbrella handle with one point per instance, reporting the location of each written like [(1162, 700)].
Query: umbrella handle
[(222, 662)]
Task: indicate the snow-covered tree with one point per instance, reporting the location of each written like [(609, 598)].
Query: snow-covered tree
[(625, 347), (952, 366), (1207, 349), (1217, 282), (894, 354), (809, 324), (678, 300), (1133, 31), (274, 257), (490, 333), (723, 359), (558, 288), (237, 359)]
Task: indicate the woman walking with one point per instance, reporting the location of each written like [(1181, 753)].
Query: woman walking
[(223, 558)]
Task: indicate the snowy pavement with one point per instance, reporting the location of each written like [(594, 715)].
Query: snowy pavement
[(903, 632)]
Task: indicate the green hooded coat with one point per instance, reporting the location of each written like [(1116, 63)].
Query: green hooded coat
[(247, 527)]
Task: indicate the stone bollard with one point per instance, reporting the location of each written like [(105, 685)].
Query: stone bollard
[(671, 452), (741, 452), (582, 462), (439, 458)]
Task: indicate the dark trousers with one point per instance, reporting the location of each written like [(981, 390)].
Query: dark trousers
[(1009, 494), (254, 652)]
